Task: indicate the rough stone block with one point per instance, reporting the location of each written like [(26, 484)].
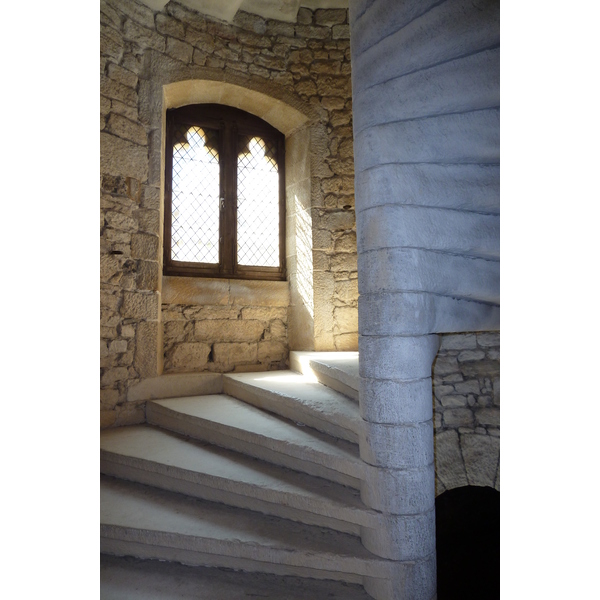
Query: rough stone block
[(140, 305), (486, 340), (220, 330), (397, 446), (458, 417), (259, 293), (145, 246), (122, 157), (228, 355), (148, 275), (387, 401), (394, 270), (346, 342), (345, 319), (399, 492), (410, 579), (481, 455), (169, 26), (330, 17), (449, 464), (122, 76), (401, 537), (458, 341), (445, 365), (118, 347), (190, 356), (192, 290), (114, 375), (397, 357), (127, 129), (174, 331), (471, 356), (343, 263), (488, 416), (148, 348), (272, 351), (471, 386), (453, 401), (108, 399), (146, 38)]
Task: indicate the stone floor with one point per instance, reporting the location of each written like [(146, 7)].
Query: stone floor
[(126, 578)]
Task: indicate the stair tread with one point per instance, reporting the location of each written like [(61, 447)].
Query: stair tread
[(298, 395), (345, 368), (231, 412), (163, 451), (128, 578), (138, 512)]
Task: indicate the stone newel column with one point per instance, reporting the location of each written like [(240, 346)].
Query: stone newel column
[(425, 87), (397, 441)]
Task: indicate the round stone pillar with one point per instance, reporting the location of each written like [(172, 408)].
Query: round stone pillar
[(425, 93)]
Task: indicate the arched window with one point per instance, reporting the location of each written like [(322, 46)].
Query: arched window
[(224, 194)]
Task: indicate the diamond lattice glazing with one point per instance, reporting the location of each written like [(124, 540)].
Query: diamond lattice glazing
[(258, 203), (195, 196)]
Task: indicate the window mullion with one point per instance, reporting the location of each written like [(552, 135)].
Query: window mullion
[(228, 227)]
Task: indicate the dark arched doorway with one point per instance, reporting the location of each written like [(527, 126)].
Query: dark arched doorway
[(468, 544)]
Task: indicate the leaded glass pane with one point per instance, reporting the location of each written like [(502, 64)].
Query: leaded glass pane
[(195, 196), (258, 203)]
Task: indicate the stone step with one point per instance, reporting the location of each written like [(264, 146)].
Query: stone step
[(233, 424), (146, 522), (337, 370), (128, 578), (152, 456), (295, 397)]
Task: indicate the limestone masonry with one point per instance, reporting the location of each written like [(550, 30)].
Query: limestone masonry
[(223, 326)]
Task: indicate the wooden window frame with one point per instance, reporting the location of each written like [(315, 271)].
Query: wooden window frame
[(231, 123)]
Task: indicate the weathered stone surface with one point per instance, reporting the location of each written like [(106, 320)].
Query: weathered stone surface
[(470, 356), (488, 416), (458, 342), (218, 330), (144, 246), (453, 401), (345, 319), (262, 313), (114, 375), (272, 351), (126, 129), (481, 455), (230, 354), (471, 386), (449, 464), (122, 157), (122, 76), (179, 50), (270, 52), (330, 17), (346, 342), (140, 305), (143, 36), (148, 348), (190, 356), (458, 417), (169, 26)]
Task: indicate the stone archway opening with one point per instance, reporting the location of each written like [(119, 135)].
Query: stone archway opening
[(468, 543)]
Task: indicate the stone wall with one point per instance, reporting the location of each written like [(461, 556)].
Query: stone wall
[(307, 63), (233, 326), (466, 389)]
